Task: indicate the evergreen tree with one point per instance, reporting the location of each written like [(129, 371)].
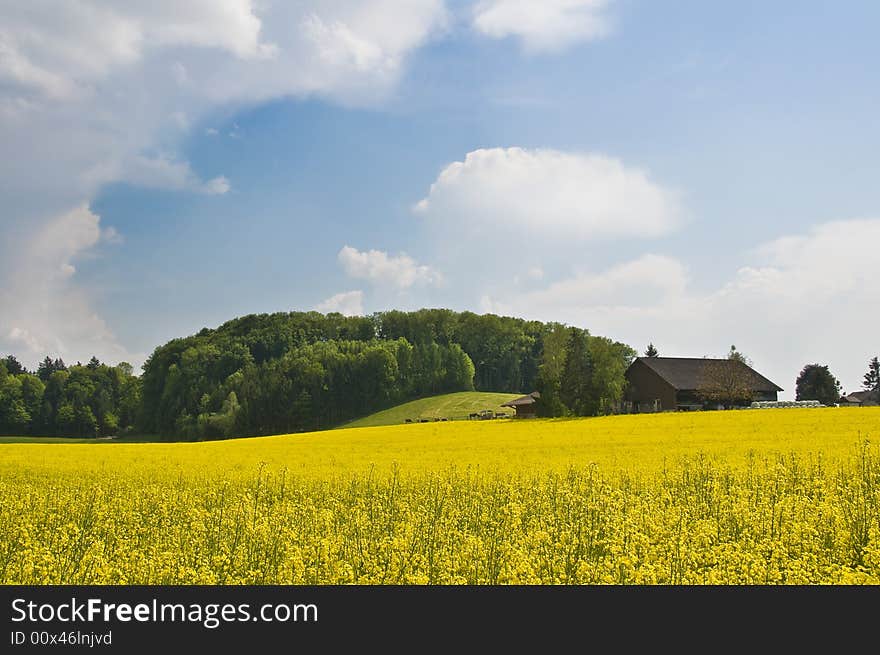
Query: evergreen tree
[(45, 369), (48, 366), (651, 351), (13, 366), (872, 377)]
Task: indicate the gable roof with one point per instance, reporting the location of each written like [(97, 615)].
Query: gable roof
[(523, 400), (685, 373), (863, 396)]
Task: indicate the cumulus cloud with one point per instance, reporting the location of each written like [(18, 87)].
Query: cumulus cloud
[(91, 91), (44, 312), (58, 48), (400, 272), (551, 193), (548, 25), (347, 50), (348, 303), (639, 283), (801, 301)]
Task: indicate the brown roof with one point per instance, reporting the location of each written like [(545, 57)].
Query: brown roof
[(862, 396), (522, 400), (685, 373)]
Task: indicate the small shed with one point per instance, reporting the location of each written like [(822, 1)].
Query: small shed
[(524, 406)]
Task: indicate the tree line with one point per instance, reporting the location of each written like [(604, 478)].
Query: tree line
[(287, 372), (284, 372), (89, 400)]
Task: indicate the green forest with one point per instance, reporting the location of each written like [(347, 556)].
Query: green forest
[(289, 372)]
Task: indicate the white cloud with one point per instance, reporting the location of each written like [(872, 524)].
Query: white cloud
[(135, 76), (547, 25), (216, 186), (349, 50), (58, 48), (21, 337), (554, 194), (640, 283), (809, 298), (400, 272), (348, 303), (112, 236), (44, 312), (338, 45), (91, 91), (17, 68), (161, 172)]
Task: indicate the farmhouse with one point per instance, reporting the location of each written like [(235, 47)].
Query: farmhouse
[(681, 383), (861, 399), (524, 405)]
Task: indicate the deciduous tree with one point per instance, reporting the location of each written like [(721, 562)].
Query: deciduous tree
[(577, 375), (725, 382), (815, 382)]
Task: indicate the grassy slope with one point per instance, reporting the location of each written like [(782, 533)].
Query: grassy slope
[(450, 405)]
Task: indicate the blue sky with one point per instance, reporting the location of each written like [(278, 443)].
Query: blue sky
[(688, 173)]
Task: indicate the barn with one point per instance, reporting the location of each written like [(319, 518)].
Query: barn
[(524, 406), (861, 399), (680, 383)]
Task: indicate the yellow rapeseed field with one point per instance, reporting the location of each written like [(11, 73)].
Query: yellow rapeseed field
[(787, 496)]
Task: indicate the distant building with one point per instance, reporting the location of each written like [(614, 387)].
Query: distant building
[(861, 399), (671, 383), (524, 406)]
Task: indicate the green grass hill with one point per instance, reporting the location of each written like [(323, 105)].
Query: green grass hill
[(453, 406)]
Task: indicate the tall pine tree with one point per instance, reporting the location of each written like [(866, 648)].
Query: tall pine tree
[(872, 377)]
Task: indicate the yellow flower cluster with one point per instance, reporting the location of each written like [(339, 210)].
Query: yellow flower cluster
[(750, 497)]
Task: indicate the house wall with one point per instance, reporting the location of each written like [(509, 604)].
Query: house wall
[(645, 386)]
